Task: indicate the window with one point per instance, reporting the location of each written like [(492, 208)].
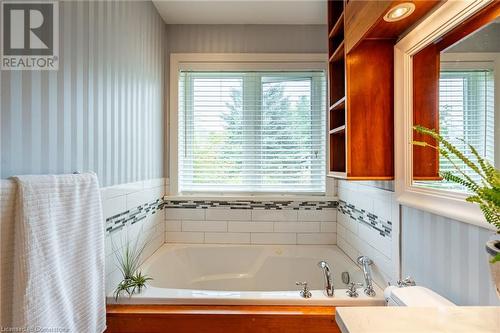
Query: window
[(466, 112), (251, 132)]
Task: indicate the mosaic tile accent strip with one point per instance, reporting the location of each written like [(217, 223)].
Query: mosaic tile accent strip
[(384, 227), (133, 216), (251, 204)]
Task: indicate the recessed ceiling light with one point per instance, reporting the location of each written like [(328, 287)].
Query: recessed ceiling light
[(399, 12)]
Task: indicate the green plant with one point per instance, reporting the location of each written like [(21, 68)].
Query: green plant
[(129, 259), (486, 192)]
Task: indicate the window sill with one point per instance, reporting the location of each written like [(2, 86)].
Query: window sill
[(263, 197)]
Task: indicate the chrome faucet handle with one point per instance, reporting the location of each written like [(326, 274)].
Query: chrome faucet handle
[(406, 282), (365, 264), (362, 260), (369, 291), (352, 289), (305, 293)]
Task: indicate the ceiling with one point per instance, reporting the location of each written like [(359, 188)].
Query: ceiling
[(242, 11)]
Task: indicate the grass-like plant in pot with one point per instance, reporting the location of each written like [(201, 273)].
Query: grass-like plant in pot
[(485, 193), (129, 259)]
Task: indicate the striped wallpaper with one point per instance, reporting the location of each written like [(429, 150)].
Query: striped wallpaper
[(102, 110), (447, 256)]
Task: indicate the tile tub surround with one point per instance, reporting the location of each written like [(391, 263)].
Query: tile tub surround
[(132, 210), (251, 222), (368, 224)]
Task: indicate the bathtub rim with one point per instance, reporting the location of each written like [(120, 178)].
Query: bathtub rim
[(179, 296)]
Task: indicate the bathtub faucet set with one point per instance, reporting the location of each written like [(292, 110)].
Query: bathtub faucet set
[(363, 261)]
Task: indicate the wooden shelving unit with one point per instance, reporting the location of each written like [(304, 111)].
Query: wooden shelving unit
[(360, 78), (337, 90)]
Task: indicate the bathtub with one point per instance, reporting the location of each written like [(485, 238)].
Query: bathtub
[(246, 275)]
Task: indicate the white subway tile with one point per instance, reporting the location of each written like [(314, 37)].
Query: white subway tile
[(347, 248), (160, 229), (274, 215), (145, 196), (122, 189), (152, 246), (296, 226), (325, 215), (220, 214), (184, 237), (112, 280), (173, 225), (331, 186), (238, 226), (347, 222), (158, 217), (227, 238), (185, 214), (110, 263), (114, 206), (207, 226), (154, 182), (328, 227), (273, 238), (115, 240), (383, 209), (317, 238), (377, 241)]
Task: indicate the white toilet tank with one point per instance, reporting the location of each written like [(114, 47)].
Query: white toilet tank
[(414, 296)]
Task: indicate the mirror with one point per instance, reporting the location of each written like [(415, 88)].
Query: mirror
[(457, 91)]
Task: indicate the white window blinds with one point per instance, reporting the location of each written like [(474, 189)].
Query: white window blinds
[(252, 132), (466, 111)]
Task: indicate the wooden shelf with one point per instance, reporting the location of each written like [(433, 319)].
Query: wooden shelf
[(336, 130), (337, 90), (340, 104), (338, 25), (338, 53), (361, 117)]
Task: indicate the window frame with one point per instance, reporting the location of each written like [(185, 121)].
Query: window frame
[(230, 62), (471, 61), (447, 203)]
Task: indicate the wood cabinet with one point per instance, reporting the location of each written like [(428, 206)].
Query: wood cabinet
[(361, 76)]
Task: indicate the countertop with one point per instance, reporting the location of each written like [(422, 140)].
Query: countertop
[(390, 319)]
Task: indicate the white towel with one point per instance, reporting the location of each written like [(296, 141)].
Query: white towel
[(8, 192), (59, 254)]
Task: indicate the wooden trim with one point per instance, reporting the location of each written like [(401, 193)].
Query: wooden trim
[(426, 69), (426, 110), (220, 318), (476, 22), (370, 178), (428, 178)]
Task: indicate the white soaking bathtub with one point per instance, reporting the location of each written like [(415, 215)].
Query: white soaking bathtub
[(246, 275)]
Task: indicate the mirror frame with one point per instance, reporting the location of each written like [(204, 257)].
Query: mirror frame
[(441, 202)]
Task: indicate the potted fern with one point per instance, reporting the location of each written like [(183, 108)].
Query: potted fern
[(485, 193)]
